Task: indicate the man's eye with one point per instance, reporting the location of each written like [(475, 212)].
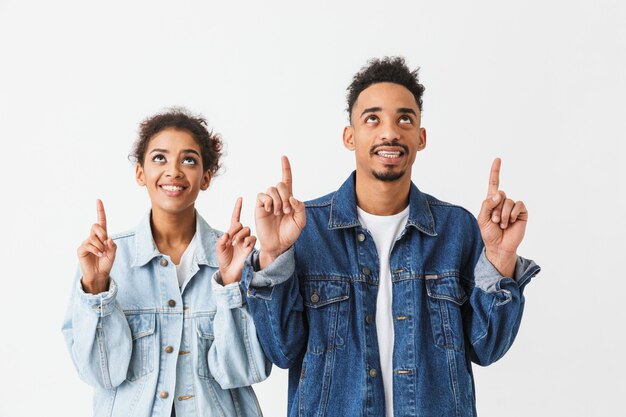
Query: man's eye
[(371, 119), (158, 158), (189, 161), (405, 120)]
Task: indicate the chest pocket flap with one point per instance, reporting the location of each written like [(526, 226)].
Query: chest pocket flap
[(318, 294), (445, 287)]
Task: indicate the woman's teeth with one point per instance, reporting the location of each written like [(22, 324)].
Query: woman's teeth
[(172, 187)]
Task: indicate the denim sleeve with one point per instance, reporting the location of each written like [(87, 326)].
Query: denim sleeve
[(236, 358), (98, 336), (275, 302), (496, 305)]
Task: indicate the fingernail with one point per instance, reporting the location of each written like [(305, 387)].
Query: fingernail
[(495, 197), (495, 219), (287, 210), (502, 225)]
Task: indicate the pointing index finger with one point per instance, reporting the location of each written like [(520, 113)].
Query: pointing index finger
[(494, 177), (236, 211), (286, 172), (102, 217)]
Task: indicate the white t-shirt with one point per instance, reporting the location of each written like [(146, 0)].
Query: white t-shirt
[(385, 230), (184, 267)]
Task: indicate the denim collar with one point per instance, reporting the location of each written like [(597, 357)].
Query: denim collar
[(146, 250), (343, 213)]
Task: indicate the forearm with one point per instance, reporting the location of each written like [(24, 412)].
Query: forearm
[(495, 309), (98, 337), (235, 357), (275, 302)]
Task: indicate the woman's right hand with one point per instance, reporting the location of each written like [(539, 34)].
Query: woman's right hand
[(96, 255)]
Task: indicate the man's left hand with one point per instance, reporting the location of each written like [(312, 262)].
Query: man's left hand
[(502, 223)]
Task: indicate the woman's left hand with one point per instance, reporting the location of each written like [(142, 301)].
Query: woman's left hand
[(234, 247)]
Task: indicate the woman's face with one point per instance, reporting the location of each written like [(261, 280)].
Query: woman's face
[(172, 171)]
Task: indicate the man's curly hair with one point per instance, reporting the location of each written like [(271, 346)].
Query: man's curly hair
[(388, 69), (180, 118)]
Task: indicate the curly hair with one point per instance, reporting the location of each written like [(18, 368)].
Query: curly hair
[(388, 69), (180, 118)]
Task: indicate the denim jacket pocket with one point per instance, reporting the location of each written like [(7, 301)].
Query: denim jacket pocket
[(327, 303), (204, 329), (445, 298), (142, 328)]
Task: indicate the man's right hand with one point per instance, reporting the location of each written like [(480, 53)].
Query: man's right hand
[(96, 255), (279, 218)]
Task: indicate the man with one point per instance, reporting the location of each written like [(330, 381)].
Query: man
[(378, 297)]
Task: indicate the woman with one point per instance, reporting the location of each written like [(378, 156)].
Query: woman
[(156, 322)]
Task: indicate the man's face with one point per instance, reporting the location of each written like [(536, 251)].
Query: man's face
[(385, 132)]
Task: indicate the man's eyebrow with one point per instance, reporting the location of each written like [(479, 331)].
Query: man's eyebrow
[(371, 110), (407, 110)]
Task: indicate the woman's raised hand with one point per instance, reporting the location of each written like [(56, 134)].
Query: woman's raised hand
[(96, 255), (234, 247)]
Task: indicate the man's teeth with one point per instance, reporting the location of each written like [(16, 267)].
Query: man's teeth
[(389, 154), (172, 187)]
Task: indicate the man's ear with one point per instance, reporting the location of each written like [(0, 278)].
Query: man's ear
[(422, 140), (139, 175), (206, 180), (348, 137)]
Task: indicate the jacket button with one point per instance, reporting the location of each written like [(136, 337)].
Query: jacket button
[(171, 303), (373, 373), (163, 262), (369, 319), (163, 394), (169, 349), (361, 237), (366, 271), (315, 298)]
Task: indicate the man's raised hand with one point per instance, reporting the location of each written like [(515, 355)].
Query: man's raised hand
[(233, 247), (96, 255), (502, 223), (279, 217)]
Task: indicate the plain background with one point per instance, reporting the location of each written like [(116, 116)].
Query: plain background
[(539, 83)]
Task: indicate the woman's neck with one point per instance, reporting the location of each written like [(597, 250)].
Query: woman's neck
[(172, 232)]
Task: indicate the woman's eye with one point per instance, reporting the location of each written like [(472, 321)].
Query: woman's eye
[(158, 158), (405, 120), (189, 161)]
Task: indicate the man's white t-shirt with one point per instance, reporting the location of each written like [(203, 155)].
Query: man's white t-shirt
[(385, 230)]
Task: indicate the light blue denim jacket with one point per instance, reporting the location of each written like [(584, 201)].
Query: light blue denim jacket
[(144, 344), (315, 310)]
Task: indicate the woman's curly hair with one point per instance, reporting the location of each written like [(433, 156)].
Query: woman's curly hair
[(180, 118)]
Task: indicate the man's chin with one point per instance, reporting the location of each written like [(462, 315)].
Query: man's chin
[(388, 176)]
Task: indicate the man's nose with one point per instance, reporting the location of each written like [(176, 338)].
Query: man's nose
[(389, 132)]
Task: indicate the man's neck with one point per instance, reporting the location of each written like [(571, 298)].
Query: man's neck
[(382, 198)]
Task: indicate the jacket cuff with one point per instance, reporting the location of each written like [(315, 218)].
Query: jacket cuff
[(226, 296), (487, 277), (101, 304), (276, 273)]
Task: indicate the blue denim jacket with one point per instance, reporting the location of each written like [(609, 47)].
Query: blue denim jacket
[(145, 344), (315, 310)]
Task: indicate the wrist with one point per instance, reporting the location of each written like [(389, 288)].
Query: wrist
[(267, 257), (95, 286), (503, 261)]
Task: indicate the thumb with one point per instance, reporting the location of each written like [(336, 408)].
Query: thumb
[(299, 212), (489, 204)]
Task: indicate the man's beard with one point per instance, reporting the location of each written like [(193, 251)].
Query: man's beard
[(388, 176)]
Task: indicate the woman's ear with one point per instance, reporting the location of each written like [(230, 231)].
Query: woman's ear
[(139, 175), (206, 180)]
